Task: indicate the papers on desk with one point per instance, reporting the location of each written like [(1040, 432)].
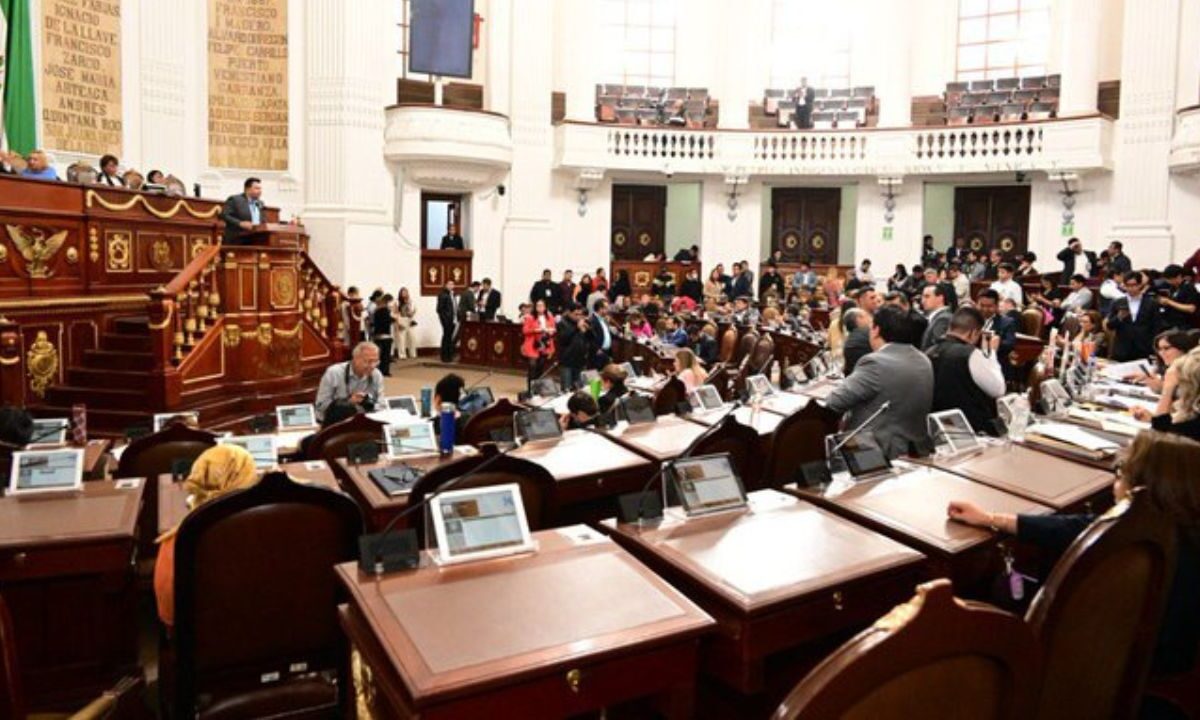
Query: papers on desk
[(1070, 438), (1113, 422), (1120, 371)]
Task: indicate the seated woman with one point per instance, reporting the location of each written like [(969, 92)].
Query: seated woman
[(1091, 330), (612, 380), (639, 326), (689, 370), (1178, 408), (581, 411), (218, 470), (1159, 464), (1168, 347)]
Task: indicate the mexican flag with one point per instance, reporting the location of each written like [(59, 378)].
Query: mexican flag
[(20, 114)]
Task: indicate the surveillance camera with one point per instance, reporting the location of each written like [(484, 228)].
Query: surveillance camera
[(501, 190), (1020, 177), (669, 173)]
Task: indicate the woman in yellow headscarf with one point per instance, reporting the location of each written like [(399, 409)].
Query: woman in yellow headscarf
[(217, 471)]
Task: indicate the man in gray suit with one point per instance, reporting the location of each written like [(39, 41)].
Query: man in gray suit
[(894, 372), (243, 212), (934, 302)]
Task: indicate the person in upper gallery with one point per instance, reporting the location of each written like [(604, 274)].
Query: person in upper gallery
[(612, 381), (664, 283), (1134, 319), (804, 277), (964, 377), (538, 346), (108, 172), (1178, 409), (863, 274), (452, 240), (1075, 260), (1117, 259), (357, 381), (583, 290), (1006, 287), (689, 370), (856, 329), (382, 322), (803, 96), (487, 302), (447, 312), (726, 279), (1169, 346), (581, 411), (620, 286), (957, 253), (243, 212), (898, 278), (688, 255), (38, 167), (1162, 465), (218, 470), (1180, 301), (937, 309), (973, 268), (893, 372), (546, 290)]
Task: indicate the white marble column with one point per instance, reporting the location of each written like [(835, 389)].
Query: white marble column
[(1079, 61), (891, 26), (348, 189), (166, 89), (1148, 70), (1187, 86), (579, 54), (741, 35)]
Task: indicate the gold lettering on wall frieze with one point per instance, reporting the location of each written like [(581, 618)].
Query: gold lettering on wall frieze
[(81, 77)]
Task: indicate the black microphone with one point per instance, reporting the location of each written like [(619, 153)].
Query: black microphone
[(633, 504), (389, 549)]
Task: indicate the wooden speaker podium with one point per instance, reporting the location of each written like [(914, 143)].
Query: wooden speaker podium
[(277, 235)]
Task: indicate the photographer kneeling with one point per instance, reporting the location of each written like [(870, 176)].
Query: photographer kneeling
[(357, 381)]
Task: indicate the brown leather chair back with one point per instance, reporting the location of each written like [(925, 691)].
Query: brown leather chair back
[(1098, 614), (1070, 325), (745, 346), (12, 701), (1032, 320), (335, 440), (934, 656), (741, 442), (256, 594), (668, 397), (536, 483), (799, 439), (497, 416), (729, 341), (722, 380), (761, 356)]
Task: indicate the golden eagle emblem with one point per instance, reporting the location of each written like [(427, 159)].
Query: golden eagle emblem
[(36, 247)]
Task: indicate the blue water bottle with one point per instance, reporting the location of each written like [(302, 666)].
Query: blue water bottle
[(446, 421), (426, 401)]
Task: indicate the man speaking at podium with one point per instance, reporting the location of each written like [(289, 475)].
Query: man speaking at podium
[(243, 212)]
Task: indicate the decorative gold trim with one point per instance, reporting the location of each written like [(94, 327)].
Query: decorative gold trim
[(10, 361), (166, 321), (289, 333), (37, 247), (93, 245), (265, 333), (72, 256), (82, 301), (93, 196), (233, 336), (43, 364)]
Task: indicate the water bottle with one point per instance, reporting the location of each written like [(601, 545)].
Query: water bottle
[(446, 421), (426, 401)]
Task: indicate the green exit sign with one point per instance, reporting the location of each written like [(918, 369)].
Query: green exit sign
[(887, 232), (1068, 229)]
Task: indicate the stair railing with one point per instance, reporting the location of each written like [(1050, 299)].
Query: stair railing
[(184, 310), (322, 305)]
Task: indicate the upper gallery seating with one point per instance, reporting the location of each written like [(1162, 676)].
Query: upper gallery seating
[(648, 105), (832, 108), (980, 102)]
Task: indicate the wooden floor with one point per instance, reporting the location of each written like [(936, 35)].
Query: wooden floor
[(409, 376)]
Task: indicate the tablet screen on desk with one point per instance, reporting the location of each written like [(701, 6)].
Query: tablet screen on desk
[(637, 409), (46, 470), (410, 439), (707, 484), (191, 418), (261, 447), (403, 402), (476, 400), (545, 388), (49, 431), (863, 455), (539, 424), (953, 427), (480, 522), (760, 386), (705, 397), (296, 416)]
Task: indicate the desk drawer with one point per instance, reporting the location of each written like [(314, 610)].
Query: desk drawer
[(60, 560)]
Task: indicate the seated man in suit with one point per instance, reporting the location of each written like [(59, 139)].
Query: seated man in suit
[(1135, 319), (894, 372), (487, 302), (856, 324), (242, 212), (964, 378)]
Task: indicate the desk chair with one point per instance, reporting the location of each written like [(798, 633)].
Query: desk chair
[(156, 454), (1097, 615), (722, 379), (497, 416), (799, 439), (124, 700), (741, 442), (256, 597), (669, 396), (335, 440), (729, 342), (935, 656), (744, 346)]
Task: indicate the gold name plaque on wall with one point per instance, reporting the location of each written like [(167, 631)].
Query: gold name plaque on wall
[(81, 76)]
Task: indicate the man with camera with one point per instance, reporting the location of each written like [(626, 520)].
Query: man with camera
[(357, 381), (574, 346), (966, 370)]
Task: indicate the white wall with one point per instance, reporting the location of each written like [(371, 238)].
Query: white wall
[(683, 216), (938, 209)]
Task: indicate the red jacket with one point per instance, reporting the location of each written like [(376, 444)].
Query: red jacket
[(533, 333)]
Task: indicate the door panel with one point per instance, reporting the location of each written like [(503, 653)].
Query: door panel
[(804, 223), (639, 215), (993, 217)]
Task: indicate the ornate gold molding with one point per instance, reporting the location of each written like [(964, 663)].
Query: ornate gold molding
[(166, 321), (81, 301), (43, 363), (37, 247), (94, 197), (233, 336), (93, 245)]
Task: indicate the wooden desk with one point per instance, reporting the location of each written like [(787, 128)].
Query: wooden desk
[(819, 389), (572, 628), (1062, 484), (664, 440), (94, 454), (590, 472), (172, 497), (836, 577), (377, 506), (785, 402), (911, 507), (762, 421), (66, 573)]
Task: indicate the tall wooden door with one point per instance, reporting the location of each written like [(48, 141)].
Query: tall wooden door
[(639, 218), (804, 223), (993, 217)]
